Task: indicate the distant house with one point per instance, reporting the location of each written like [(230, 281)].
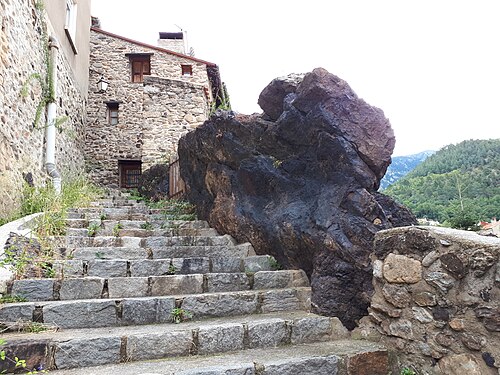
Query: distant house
[(490, 228), (154, 95)]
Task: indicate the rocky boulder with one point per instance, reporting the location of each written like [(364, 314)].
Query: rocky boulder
[(299, 183), (153, 183)]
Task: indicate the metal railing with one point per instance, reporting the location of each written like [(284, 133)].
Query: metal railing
[(176, 185)]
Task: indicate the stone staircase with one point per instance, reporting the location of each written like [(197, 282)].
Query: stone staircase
[(126, 274)]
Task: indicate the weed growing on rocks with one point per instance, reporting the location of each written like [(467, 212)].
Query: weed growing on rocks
[(408, 371), (17, 362), (147, 226), (180, 315), (274, 264), (116, 229), (12, 299), (172, 270), (92, 229)]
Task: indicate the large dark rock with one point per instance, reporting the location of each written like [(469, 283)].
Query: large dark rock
[(301, 188), (154, 182)]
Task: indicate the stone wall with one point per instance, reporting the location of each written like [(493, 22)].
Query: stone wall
[(23, 42), (153, 114), (437, 299)]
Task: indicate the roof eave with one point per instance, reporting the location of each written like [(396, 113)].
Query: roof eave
[(101, 31)]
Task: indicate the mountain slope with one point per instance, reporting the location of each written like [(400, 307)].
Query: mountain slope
[(401, 166), (459, 183)]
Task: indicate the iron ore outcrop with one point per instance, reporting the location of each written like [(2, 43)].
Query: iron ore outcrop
[(300, 182)]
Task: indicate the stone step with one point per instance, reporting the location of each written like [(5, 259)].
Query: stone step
[(92, 347), (177, 251), (80, 238), (154, 286), (94, 313), (339, 357), (135, 212), (160, 267), (141, 225), (116, 202)]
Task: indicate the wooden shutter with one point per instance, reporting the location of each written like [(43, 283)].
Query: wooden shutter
[(136, 71)]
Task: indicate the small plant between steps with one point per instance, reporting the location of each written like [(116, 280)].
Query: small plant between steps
[(407, 371), (180, 315), (116, 229), (7, 298), (92, 229), (17, 362), (172, 270), (147, 226), (274, 264)]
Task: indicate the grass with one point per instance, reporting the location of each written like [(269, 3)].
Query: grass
[(77, 192), (12, 299), (180, 315), (274, 264), (92, 229), (147, 225)]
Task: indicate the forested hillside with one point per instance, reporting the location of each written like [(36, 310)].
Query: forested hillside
[(458, 185), (401, 166)]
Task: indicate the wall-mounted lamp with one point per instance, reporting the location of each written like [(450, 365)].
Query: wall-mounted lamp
[(102, 85)]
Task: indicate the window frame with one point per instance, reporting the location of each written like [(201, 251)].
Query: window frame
[(142, 60), (186, 70), (113, 113), (70, 23)]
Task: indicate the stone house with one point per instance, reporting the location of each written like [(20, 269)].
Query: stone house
[(154, 95), (31, 32)]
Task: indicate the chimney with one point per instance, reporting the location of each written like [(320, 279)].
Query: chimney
[(96, 22), (174, 41)]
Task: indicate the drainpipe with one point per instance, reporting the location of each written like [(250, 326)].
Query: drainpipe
[(50, 135)]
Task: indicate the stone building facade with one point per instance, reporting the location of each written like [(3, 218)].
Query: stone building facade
[(153, 97), (25, 27)]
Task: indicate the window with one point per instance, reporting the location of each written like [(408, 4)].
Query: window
[(112, 113), (70, 24), (141, 66), (187, 70), (130, 172)]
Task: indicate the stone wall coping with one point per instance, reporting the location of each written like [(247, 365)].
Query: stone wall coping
[(449, 233)]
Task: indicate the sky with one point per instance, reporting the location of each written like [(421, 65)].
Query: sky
[(432, 66)]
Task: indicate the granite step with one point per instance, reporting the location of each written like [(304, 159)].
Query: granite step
[(177, 251), (82, 239), (160, 267), (154, 286), (95, 313), (148, 222), (76, 348), (339, 357), (135, 212)]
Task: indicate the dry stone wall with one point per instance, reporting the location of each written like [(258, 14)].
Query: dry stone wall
[(153, 114), (22, 53), (437, 299)]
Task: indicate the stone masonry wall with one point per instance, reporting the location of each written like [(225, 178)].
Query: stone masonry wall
[(153, 115), (22, 51), (437, 299)]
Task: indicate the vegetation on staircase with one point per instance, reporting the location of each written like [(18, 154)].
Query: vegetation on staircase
[(165, 288)]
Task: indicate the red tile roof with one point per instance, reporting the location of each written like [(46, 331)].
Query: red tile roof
[(101, 31)]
